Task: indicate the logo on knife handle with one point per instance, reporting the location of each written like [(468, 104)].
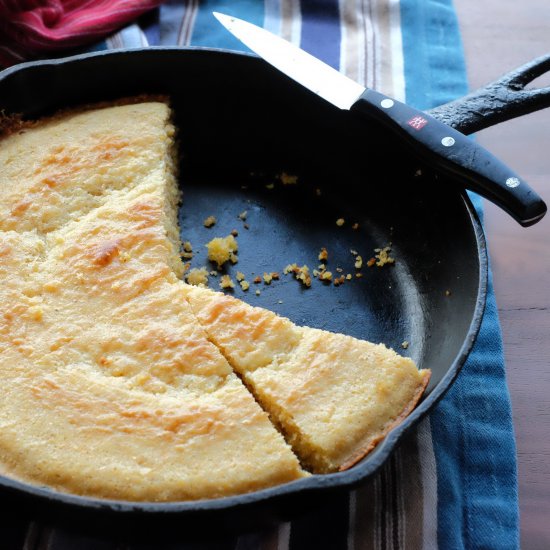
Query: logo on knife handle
[(417, 122)]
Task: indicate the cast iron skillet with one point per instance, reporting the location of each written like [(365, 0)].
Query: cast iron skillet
[(433, 297)]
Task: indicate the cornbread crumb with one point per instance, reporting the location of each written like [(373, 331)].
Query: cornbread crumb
[(197, 276), (303, 276), (340, 222), (358, 262), (270, 186), (339, 280), (214, 273), (245, 285), (358, 275), (268, 277), (257, 280), (210, 221), (246, 226), (222, 249), (371, 262), (318, 192), (279, 301), (226, 282), (187, 253), (234, 232), (354, 252), (323, 255), (258, 292), (240, 276), (287, 179), (300, 273), (242, 216), (447, 293), (339, 270), (325, 276), (383, 257), (355, 226), (405, 344), (349, 277)]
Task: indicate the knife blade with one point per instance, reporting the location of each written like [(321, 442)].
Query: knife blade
[(443, 148)]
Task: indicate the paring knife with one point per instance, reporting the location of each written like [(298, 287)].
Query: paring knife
[(440, 146)]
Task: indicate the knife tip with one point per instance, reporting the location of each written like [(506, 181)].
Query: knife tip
[(223, 18)]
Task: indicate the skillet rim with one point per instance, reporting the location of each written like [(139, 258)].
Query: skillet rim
[(314, 484)]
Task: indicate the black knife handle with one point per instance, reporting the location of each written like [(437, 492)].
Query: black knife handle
[(456, 155)]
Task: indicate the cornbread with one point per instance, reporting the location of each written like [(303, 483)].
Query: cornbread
[(333, 396), (122, 381), (222, 250), (209, 222), (110, 386), (300, 273), (197, 276), (226, 282), (383, 257)]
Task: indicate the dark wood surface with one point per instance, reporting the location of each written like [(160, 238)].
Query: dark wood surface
[(499, 35)]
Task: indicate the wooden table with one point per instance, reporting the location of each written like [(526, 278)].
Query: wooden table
[(499, 35)]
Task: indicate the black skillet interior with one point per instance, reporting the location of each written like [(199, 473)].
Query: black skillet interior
[(241, 125)]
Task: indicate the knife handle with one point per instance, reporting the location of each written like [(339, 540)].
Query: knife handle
[(455, 155)]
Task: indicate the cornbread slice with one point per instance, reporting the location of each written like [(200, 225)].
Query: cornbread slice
[(110, 387), (333, 396)]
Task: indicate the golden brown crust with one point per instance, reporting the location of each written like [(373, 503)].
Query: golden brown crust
[(361, 453), (15, 122)]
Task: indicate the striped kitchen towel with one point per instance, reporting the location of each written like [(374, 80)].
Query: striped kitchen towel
[(29, 28), (452, 483)]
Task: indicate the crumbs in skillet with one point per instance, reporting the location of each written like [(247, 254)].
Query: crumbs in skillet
[(223, 250)]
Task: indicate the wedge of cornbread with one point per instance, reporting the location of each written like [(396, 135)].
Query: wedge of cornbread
[(334, 397), (110, 386)]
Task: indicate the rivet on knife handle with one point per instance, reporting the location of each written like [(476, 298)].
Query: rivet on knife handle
[(456, 155)]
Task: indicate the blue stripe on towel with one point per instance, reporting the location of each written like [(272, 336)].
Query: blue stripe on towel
[(434, 63), (321, 31)]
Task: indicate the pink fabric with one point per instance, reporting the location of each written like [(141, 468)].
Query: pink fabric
[(29, 28)]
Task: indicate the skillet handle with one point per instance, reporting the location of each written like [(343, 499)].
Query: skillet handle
[(455, 155), (501, 100)]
